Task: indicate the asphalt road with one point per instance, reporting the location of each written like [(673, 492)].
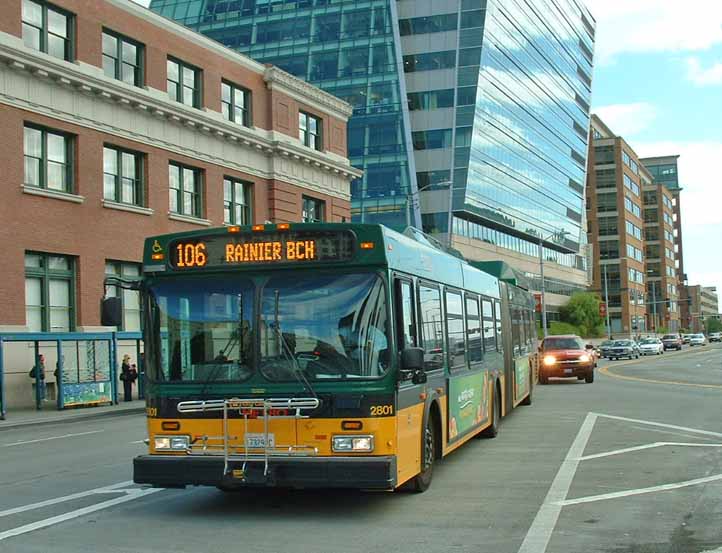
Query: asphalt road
[(629, 464)]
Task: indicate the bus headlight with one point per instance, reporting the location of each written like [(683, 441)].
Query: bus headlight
[(171, 443), (550, 360), (347, 443)]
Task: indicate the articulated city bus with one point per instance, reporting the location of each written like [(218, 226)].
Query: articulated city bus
[(321, 355)]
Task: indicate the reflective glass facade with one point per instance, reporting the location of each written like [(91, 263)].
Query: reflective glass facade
[(498, 102), (347, 48)]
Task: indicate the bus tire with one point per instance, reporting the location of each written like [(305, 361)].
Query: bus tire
[(421, 482), (493, 430), (528, 399)]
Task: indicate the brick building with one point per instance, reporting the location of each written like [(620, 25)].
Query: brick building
[(117, 124), (615, 225)]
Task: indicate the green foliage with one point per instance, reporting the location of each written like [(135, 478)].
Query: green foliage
[(557, 327), (662, 330), (712, 325), (582, 311)]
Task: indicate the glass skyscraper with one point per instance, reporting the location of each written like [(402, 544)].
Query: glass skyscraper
[(481, 103)]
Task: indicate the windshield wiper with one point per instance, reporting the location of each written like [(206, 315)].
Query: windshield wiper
[(287, 353)]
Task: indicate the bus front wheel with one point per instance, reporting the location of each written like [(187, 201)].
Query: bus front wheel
[(422, 481), (493, 430)]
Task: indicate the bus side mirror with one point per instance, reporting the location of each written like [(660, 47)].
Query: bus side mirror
[(111, 312), (412, 363)]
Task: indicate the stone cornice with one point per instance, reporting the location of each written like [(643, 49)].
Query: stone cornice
[(277, 79), (78, 78)]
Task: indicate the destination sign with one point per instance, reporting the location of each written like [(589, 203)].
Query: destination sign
[(261, 248)]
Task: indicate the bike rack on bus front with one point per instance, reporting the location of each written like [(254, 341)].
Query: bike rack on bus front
[(210, 445)]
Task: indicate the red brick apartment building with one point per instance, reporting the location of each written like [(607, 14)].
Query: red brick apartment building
[(115, 124)]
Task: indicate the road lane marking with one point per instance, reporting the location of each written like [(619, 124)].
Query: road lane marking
[(52, 438), (674, 433), (640, 491), (607, 372), (540, 532), (130, 495), (662, 425), (643, 447), (40, 504)]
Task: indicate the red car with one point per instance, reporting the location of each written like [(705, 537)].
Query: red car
[(566, 357)]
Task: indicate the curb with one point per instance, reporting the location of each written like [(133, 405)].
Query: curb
[(10, 425)]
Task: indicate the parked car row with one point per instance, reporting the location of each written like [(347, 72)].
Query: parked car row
[(632, 349)]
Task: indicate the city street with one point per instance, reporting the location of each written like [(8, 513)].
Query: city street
[(629, 464)]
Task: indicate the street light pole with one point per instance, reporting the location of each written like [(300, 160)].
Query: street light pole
[(606, 302), (543, 298)]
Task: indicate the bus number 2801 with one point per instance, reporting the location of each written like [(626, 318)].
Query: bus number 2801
[(382, 410)]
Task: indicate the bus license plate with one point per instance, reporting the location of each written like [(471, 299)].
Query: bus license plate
[(258, 440)]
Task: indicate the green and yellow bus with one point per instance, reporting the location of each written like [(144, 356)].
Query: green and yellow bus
[(321, 355)]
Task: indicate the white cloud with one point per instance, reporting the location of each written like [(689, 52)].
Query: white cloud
[(655, 26), (703, 76), (627, 119), (701, 204)]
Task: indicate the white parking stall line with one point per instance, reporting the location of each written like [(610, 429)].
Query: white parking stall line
[(52, 438), (640, 491), (660, 431), (662, 425), (540, 532), (130, 495), (40, 504), (643, 447)]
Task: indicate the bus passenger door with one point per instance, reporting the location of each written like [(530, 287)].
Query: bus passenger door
[(409, 405)]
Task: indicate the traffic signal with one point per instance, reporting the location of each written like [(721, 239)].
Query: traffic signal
[(602, 309)]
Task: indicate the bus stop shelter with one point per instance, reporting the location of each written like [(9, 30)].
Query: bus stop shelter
[(86, 371)]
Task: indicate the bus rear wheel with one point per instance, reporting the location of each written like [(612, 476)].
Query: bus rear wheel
[(422, 481), (527, 400), (493, 430)]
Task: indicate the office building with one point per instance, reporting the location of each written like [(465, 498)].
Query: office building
[(703, 305), (665, 171), (118, 124), (663, 311), (615, 180), (469, 112)]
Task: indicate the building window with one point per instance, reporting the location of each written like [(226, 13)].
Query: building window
[(48, 159), (313, 210), (185, 190), (431, 139), (47, 29), (130, 299), (309, 130), (184, 83), (236, 104), (427, 24), (236, 202), (431, 99), (122, 59), (429, 61), (49, 292), (122, 176)]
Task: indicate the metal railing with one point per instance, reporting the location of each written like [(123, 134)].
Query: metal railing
[(267, 408)]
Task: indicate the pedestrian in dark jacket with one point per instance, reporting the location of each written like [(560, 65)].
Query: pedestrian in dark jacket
[(38, 373), (127, 377)]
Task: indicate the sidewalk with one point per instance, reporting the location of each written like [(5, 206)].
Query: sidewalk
[(17, 418)]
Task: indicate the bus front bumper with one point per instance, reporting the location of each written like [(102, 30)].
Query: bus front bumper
[(176, 471)]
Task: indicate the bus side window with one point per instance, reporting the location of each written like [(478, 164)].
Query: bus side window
[(473, 329), (499, 335), (405, 315), (515, 330), (432, 327), (487, 312), (455, 330)]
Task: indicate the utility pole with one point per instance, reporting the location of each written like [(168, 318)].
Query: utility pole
[(654, 304), (541, 268), (451, 215), (606, 301)]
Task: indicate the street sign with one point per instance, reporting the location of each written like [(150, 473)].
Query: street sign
[(602, 309), (538, 303)]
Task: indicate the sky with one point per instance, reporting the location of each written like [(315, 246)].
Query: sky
[(658, 84)]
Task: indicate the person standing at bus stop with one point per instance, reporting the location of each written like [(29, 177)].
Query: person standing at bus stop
[(127, 377), (38, 373)]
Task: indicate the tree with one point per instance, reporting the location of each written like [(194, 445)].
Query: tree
[(583, 311), (713, 325)]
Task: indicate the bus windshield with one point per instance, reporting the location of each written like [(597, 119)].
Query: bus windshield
[(200, 329), (328, 326)]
